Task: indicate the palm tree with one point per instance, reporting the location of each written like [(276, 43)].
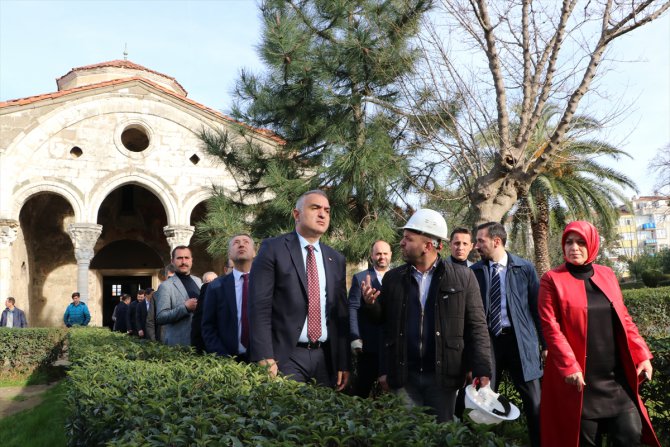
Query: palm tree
[(575, 186)]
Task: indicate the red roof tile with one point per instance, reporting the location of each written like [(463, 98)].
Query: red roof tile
[(47, 96), (122, 63)]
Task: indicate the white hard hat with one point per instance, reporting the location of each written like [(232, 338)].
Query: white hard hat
[(428, 222), (488, 407)]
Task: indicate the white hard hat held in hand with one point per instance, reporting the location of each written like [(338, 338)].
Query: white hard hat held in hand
[(488, 407)]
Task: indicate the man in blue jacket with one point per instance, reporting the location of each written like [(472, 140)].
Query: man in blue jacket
[(76, 313), (12, 316), (509, 287)]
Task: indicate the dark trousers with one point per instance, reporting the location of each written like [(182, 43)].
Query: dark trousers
[(307, 365), (506, 358), (367, 372), (623, 430), (423, 390)]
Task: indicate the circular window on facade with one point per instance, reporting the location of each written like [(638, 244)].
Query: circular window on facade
[(135, 138)]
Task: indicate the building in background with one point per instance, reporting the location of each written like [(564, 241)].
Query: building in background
[(652, 221), (98, 182), (643, 230)]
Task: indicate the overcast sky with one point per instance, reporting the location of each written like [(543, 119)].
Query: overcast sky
[(204, 44)]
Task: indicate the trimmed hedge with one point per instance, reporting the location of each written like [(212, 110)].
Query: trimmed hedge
[(656, 394), (650, 309), (27, 350), (124, 392), (632, 285)]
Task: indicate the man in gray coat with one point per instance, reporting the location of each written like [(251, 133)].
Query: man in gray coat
[(176, 299)]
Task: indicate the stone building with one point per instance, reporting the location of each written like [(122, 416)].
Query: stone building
[(98, 182)]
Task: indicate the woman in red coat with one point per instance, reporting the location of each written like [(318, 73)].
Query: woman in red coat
[(597, 358)]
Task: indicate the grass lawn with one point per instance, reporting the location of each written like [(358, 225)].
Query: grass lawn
[(43, 425)]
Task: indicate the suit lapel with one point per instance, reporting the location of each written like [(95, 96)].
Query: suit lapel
[(329, 266), (374, 281), (180, 287), (295, 252), (231, 298)]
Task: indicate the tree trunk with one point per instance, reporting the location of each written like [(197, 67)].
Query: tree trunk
[(540, 227), (493, 197)]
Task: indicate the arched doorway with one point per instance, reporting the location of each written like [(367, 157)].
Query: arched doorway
[(133, 244), (45, 256), (126, 266)]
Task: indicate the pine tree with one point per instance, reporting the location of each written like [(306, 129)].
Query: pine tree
[(330, 92)]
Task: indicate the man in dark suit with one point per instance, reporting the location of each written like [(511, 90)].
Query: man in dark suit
[(196, 324), (133, 329), (141, 312), (297, 301), (225, 322), (509, 287), (366, 335)]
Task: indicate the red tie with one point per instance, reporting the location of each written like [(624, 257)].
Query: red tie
[(313, 297), (245, 319)]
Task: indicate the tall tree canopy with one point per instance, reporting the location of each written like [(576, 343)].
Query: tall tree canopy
[(574, 185), (487, 62), (330, 92)]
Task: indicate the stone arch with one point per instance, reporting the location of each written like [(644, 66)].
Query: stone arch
[(45, 252), (194, 199), (203, 260), (154, 184), (68, 191)]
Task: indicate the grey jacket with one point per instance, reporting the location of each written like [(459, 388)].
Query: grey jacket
[(171, 312)]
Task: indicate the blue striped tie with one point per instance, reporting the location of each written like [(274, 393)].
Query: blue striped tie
[(495, 314)]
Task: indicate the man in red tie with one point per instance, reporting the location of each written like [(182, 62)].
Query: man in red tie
[(297, 301), (225, 323)]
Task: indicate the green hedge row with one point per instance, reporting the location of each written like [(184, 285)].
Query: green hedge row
[(650, 309), (24, 351), (125, 392), (656, 394)]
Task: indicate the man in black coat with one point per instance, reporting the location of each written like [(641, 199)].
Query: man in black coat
[(297, 301), (434, 325), (196, 324), (121, 311)]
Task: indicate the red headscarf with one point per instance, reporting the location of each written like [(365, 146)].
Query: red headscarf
[(588, 232)]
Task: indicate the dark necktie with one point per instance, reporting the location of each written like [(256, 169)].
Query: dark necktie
[(495, 312), (313, 297), (245, 319)]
